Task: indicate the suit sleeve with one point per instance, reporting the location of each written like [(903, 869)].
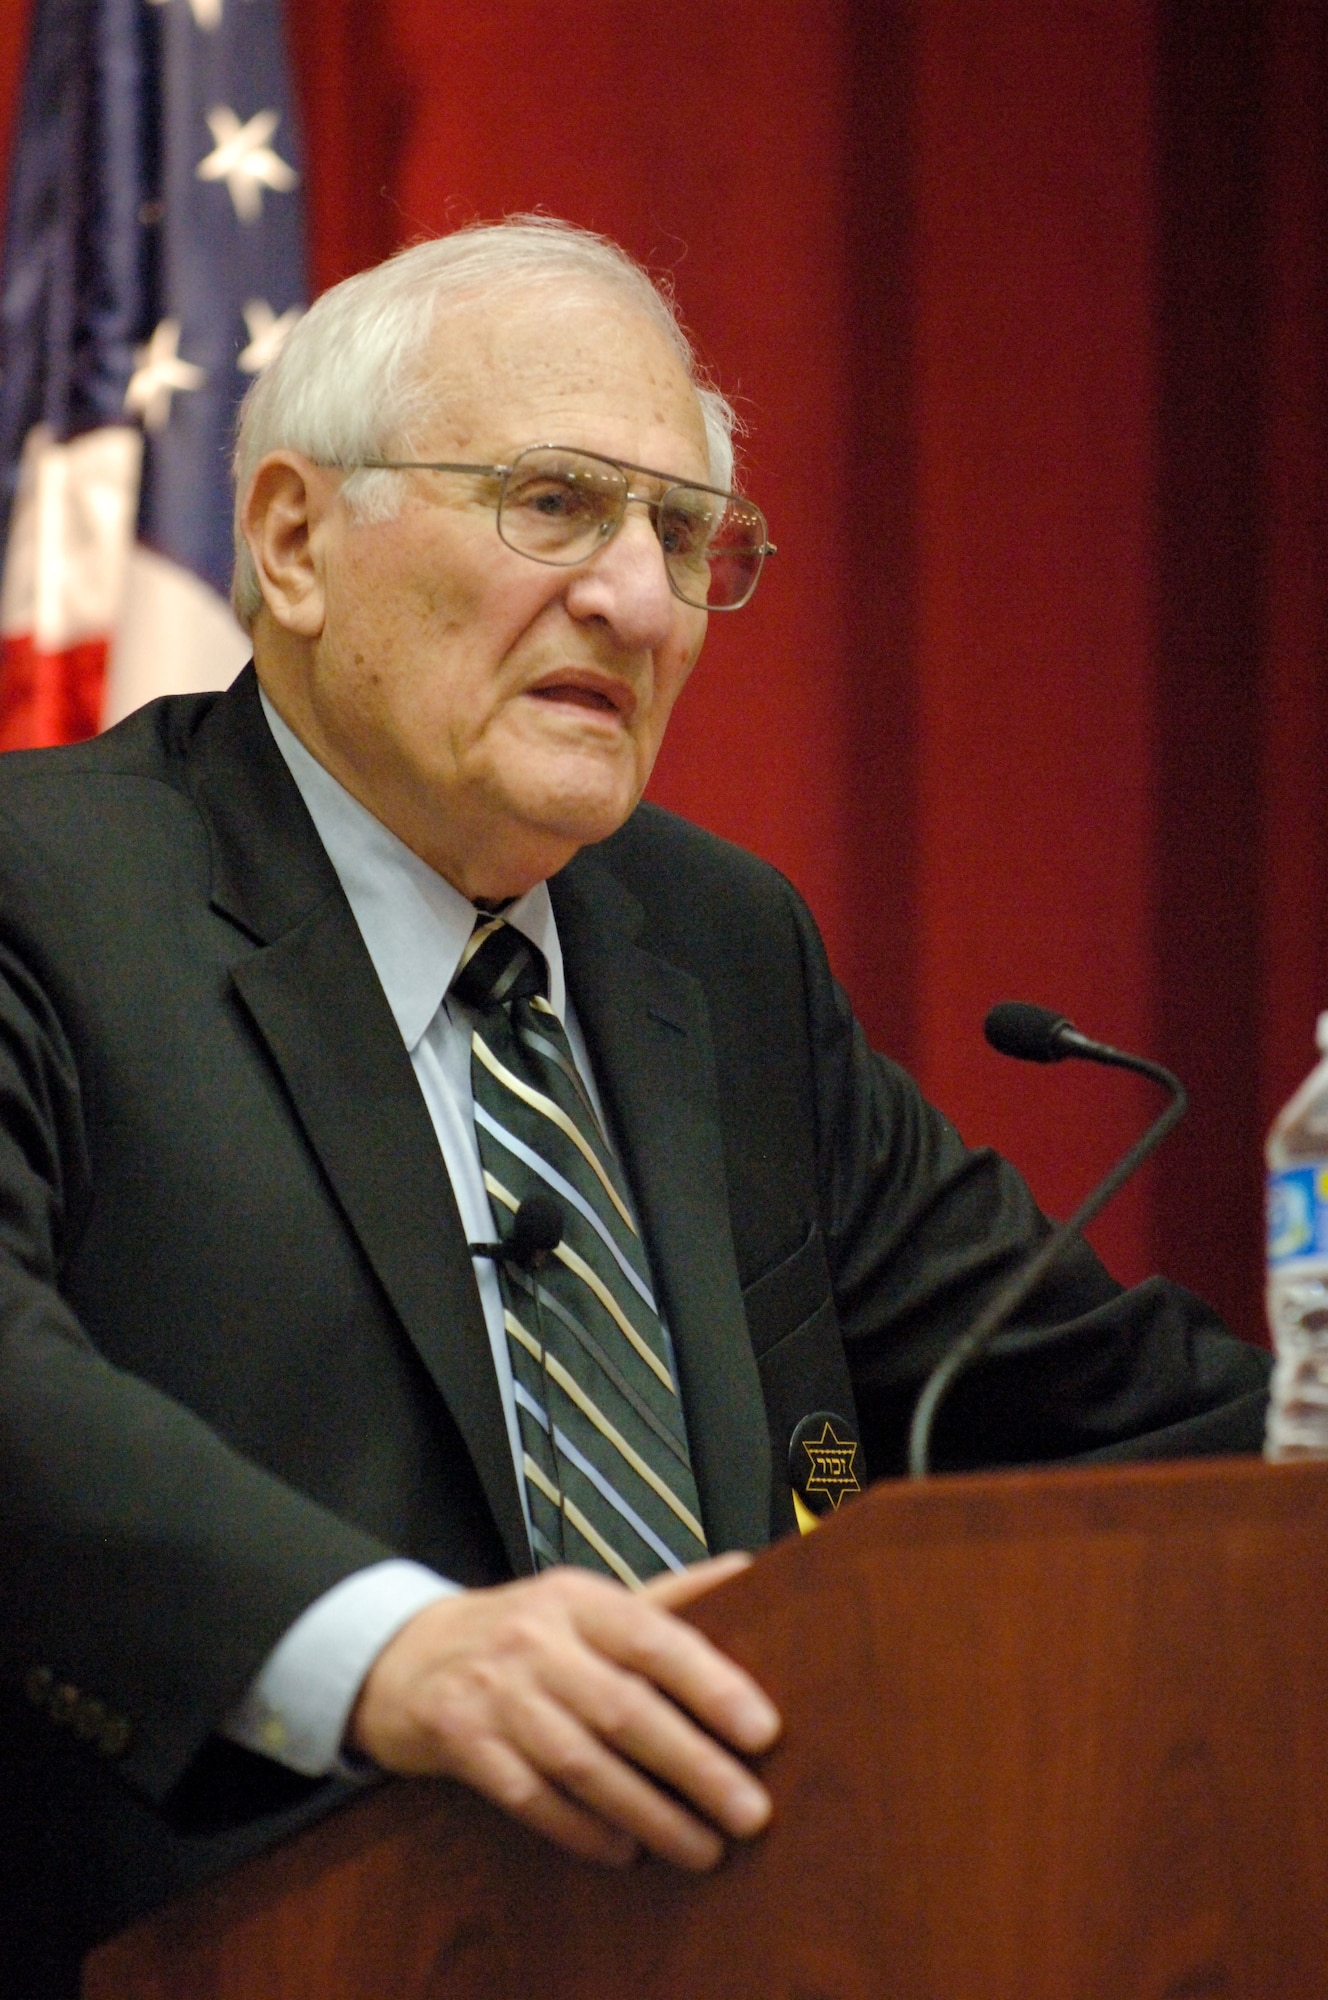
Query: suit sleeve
[(146, 1567), (921, 1229)]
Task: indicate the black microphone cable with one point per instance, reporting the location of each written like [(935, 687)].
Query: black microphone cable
[(537, 1229), (1036, 1034)]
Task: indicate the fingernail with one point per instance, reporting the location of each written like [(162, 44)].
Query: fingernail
[(705, 1852), (756, 1720), (749, 1808)]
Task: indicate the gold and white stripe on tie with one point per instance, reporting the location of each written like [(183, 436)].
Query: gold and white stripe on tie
[(608, 1475)]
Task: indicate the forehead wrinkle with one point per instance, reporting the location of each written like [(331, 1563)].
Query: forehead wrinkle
[(492, 357)]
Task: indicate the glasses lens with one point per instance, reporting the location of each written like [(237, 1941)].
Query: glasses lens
[(559, 506), (713, 546)]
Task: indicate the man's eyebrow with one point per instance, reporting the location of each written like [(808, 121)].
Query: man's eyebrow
[(667, 478)]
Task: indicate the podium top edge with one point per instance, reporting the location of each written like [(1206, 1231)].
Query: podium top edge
[(1163, 1497)]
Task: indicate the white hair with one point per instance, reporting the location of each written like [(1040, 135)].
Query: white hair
[(350, 380)]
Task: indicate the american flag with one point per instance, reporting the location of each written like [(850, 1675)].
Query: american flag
[(153, 261)]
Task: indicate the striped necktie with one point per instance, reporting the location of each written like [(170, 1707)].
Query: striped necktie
[(604, 1449)]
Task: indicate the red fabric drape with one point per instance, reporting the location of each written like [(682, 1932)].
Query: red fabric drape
[(1025, 308)]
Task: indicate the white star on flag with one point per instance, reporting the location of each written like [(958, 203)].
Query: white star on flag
[(267, 335), (244, 160), (158, 373), (116, 558), (207, 13)]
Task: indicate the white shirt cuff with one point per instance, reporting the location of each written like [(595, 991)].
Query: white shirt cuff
[(299, 1702)]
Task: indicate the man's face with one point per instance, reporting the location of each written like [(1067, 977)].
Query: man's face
[(495, 712)]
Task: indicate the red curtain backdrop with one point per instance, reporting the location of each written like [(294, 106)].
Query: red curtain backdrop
[(1025, 308)]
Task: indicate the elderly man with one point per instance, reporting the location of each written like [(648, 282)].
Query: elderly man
[(305, 989)]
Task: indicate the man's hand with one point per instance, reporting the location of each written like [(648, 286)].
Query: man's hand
[(561, 1696)]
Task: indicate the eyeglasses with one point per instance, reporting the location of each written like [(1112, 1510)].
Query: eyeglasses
[(560, 506)]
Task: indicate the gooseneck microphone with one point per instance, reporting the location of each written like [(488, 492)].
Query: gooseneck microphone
[(1036, 1034)]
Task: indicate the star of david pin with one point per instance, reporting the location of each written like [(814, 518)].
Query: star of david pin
[(823, 1466)]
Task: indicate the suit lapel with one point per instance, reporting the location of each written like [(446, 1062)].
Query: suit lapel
[(311, 991), (647, 1030)]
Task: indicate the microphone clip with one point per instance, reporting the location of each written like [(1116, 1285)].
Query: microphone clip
[(536, 1232)]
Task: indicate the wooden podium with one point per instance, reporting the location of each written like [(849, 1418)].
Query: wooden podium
[(1054, 1736)]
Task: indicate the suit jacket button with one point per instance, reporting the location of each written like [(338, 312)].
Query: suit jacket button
[(64, 1704), (89, 1719), (37, 1685), (114, 1736)]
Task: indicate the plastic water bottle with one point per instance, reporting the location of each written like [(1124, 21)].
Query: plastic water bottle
[(1298, 1267)]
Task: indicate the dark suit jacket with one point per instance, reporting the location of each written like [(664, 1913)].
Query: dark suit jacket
[(241, 1349)]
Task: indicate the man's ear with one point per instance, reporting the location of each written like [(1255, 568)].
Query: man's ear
[(284, 516)]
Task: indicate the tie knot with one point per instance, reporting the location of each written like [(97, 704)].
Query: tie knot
[(499, 966)]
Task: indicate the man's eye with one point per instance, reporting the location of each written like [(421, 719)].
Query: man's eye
[(554, 500), (686, 535)]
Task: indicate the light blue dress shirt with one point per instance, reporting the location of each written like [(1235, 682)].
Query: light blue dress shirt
[(415, 926)]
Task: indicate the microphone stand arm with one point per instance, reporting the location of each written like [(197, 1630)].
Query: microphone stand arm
[(988, 1323)]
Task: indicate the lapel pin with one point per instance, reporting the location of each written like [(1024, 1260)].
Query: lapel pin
[(823, 1466)]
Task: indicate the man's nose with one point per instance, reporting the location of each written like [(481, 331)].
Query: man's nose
[(626, 584)]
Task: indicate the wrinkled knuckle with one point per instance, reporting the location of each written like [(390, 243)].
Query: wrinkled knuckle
[(624, 1706), (523, 1632), (487, 1676), (559, 1584), (572, 1765), (514, 1787), (579, 1587), (650, 1654)]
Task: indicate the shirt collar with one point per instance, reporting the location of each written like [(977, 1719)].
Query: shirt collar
[(414, 923)]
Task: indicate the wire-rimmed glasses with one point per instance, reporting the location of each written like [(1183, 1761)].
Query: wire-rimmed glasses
[(558, 505)]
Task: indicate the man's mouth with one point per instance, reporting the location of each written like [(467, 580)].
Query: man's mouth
[(601, 694)]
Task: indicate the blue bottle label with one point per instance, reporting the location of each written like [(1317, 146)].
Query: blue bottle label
[(1298, 1213)]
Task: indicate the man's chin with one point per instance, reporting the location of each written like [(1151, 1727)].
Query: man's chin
[(581, 823), (579, 799)]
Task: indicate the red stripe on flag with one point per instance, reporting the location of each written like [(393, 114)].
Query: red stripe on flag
[(48, 698)]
